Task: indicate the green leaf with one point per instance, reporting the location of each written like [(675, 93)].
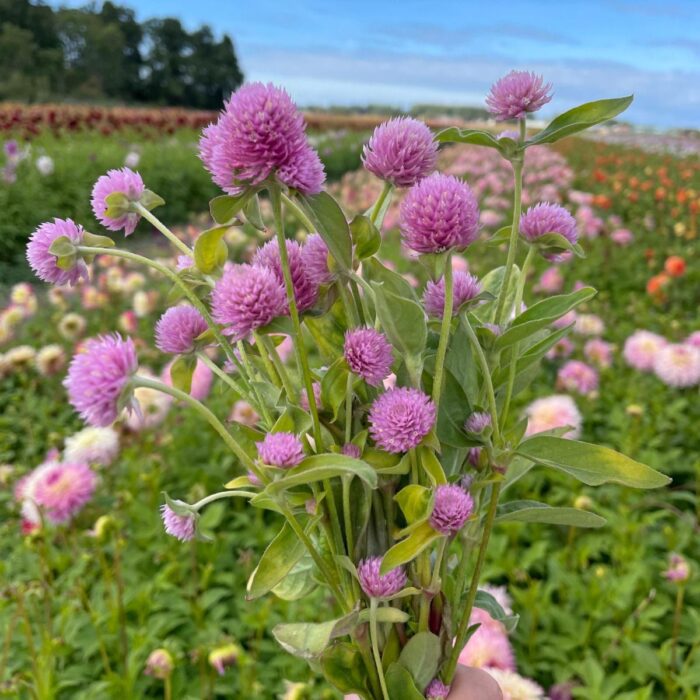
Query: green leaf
[(309, 640), (365, 236), (334, 386), (118, 204), (485, 601), (408, 549), (299, 582), (388, 615), (580, 118), (150, 200), (95, 241), (591, 464), (393, 282), (556, 244), (210, 251), (63, 246), (501, 236), (181, 372), (431, 465), (475, 137), (343, 666), (492, 283), (414, 501), (400, 684), (332, 225), (251, 210), (536, 512), (403, 321), (421, 657), (224, 208)]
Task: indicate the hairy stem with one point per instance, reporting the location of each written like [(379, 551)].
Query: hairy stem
[(373, 633), (158, 224), (444, 333)]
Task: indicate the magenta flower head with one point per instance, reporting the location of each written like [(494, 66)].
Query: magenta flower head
[(351, 450), (260, 132), (477, 422), (247, 297), (577, 376), (282, 450), (516, 94), (314, 256), (678, 365), (437, 690), (159, 664), (401, 151), (678, 569), (453, 506), (400, 418), (178, 329), (548, 218), (465, 287), (305, 289), (374, 584), (44, 263), (368, 354), (63, 489), (439, 213), (98, 376), (125, 182), (180, 526)]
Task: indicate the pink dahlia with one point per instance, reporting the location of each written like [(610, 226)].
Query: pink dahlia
[(247, 297), (453, 506), (465, 287), (368, 354), (401, 151), (477, 422), (599, 352), (438, 213), (305, 289), (260, 132), (282, 450), (577, 376), (178, 329), (180, 526), (400, 418), (437, 690), (374, 584), (63, 489), (98, 375), (44, 263), (314, 256), (641, 348), (678, 365), (516, 94), (548, 218), (125, 182), (556, 411)]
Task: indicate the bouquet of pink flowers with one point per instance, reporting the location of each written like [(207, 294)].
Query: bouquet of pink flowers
[(387, 447)]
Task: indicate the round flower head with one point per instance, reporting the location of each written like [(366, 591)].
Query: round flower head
[(180, 526), (259, 132), (438, 213), (589, 324), (551, 412), (437, 690), (516, 94), (92, 446), (401, 151), (98, 375), (548, 218), (678, 569), (314, 257), (368, 354), (44, 263), (516, 687), (374, 584), (305, 289), (125, 182), (246, 297), (488, 647), (599, 352), (159, 664), (641, 348), (453, 506), (351, 450), (281, 450), (50, 359), (465, 287), (178, 328), (693, 339), (63, 489), (477, 422), (678, 365), (400, 418), (577, 376)]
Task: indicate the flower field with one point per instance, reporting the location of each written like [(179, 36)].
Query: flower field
[(98, 602)]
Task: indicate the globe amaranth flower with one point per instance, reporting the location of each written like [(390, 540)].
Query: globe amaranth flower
[(92, 446), (282, 450), (159, 664), (125, 182), (678, 569), (516, 94), (314, 256), (368, 354), (577, 376), (401, 151), (437, 690), (546, 218), (44, 263), (178, 329), (63, 489), (376, 585), (400, 418), (351, 450), (599, 352), (305, 289), (678, 365), (181, 527), (477, 422), (589, 324), (247, 297), (465, 287), (98, 375), (641, 349), (439, 213), (260, 132), (551, 412), (50, 359), (452, 508)]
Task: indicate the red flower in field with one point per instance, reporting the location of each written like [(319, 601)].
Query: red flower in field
[(602, 201), (675, 266), (656, 286)]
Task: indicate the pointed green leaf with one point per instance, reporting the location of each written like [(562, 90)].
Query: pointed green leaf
[(536, 512), (325, 213), (365, 236), (224, 208), (181, 371), (421, 657), (400, 683), (308, 640), (210, 251), (408, 549)]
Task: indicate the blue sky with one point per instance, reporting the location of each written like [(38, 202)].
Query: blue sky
[(406, 51)]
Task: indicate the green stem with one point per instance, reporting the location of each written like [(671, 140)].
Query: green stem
[(158, 224), (351, 309), (373, 633), (380, 201), (676, 624), (444, 332), (347, 515), (348, 408), (220, 373), (265, 357), (219, 495), (298, 213), (267, 343), (167, 688)]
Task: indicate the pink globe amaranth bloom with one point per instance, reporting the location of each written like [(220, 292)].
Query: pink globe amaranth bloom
[(622, 236), (247, 297), (351, 450), (184, 262), (678, 365), (305, 289), (551, 281), (304, 397), (555, 411), (548, 218), (693, 339), (159, 664), (178, 328), (678, 569), (400, 419), (44, 263), (180, 526), (439, 213), (599, 352), (437, 690), (242, 412), (516, 94), (314, 256), (577, 376), (374, 584), (125, 182), (465, 287), (282, 450), (589, 324), (641, 349), (368, 354), (489, 646), (63, 489), (477, 422), (98, 375), (260, 132), (516, 687), (401, 151), (453, 506), (474, 456)]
